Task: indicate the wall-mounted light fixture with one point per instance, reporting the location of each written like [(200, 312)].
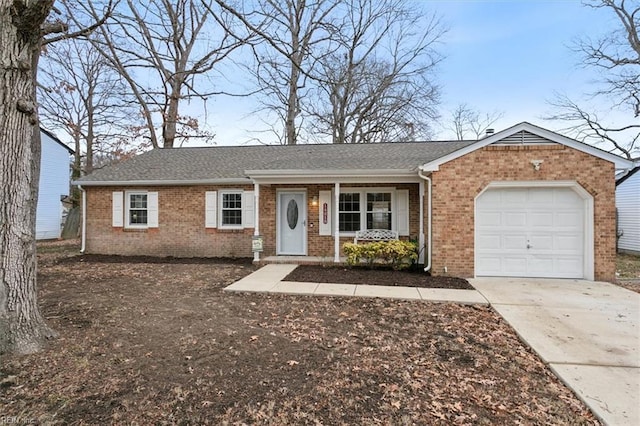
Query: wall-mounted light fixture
[(536, 164), (314, 201)]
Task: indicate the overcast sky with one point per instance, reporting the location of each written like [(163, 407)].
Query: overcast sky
[(507, 56)]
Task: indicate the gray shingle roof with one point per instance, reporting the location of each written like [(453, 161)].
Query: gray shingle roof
[(231, 162)]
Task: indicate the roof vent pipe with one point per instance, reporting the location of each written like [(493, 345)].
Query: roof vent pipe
[(489, 132)]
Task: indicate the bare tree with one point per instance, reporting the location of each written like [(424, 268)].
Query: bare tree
[(165, 51), (81, 95), (23, 27), (467, 120), (292, 33), (377, 84), (617, 55)]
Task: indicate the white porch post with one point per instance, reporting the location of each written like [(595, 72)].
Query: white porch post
[(336, 223), (256, 213), (421, 221)]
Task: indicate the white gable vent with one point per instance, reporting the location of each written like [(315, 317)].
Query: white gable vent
[(524, 138)]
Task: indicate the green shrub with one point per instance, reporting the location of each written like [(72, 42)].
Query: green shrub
[(397, 254)]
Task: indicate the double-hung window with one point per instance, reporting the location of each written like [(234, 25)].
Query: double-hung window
[(137, 211), (231, 209), (365, 210), (379, 210), (349, 212)]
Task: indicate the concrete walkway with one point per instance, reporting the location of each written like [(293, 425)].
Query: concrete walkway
[(268, 279), (587, 332)]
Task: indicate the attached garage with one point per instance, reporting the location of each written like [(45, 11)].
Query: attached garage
[(525, 229)]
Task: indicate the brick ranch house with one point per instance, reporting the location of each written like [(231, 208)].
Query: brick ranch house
[(523, 202)]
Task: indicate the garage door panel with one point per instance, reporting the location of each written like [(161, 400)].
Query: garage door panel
[(518, 219), (490, 198), (541, 219), (492, 264), (513, 197), (541, 243), (568, 267), (515, 266), (540, 266), (490, 242), (491, 218), (572, 243), (514, 242), (535, 232), (568, 219), (564, 197), (540, 196)]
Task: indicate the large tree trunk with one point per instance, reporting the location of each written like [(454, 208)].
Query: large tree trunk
[(22, 328), (292, 108)]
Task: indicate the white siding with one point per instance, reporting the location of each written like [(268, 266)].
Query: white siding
[(628, 205), (54, 184)]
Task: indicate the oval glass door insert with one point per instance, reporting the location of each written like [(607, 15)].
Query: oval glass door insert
[(292, 214)]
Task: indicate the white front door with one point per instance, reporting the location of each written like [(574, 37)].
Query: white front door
[(530, 232), (292, 223)]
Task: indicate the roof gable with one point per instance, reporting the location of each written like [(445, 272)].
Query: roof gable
[(55, 139), (527, 133)]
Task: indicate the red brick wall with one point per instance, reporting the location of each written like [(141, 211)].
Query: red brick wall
[(458, 182), (181, 231)]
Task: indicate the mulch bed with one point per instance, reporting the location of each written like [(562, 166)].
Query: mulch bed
[(376, 276), (110, 258)]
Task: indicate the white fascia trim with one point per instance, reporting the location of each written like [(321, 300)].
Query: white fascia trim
[(620, 163), (305, 180), (328, 172), (235, 181), (269, 177)]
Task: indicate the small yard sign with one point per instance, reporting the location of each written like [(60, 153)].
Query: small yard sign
[(257, 243)]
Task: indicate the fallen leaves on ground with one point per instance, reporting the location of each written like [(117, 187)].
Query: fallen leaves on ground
[(154, 343)]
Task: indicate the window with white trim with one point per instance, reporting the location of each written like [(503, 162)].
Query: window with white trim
[(349, 212), (231, 209), (137, 211), (379, 210), (366, 209)]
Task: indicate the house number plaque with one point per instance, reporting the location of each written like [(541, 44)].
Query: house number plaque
[(325, 213)]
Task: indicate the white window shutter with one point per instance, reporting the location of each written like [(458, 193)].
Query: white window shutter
[(324, 208), (402, 211), (248, 209), (117, 205), (211, 209), (152, 209)]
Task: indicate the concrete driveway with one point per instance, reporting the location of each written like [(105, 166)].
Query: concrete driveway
[(587, 332)]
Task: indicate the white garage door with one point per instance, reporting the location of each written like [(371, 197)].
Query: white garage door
[(530, 232)]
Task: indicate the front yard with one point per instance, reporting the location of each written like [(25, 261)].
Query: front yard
[(628, 271), (160, 343)]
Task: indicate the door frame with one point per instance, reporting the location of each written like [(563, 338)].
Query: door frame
[(303, 220), (588, 225)]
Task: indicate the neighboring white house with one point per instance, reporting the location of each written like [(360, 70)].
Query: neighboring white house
[(628, 206), (54, 185)]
